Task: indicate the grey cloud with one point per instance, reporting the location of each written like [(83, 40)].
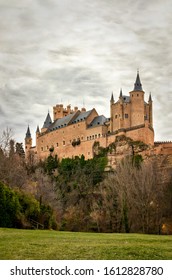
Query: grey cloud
[(52, 51)]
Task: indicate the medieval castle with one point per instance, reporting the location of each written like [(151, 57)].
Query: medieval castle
[(73, 132)]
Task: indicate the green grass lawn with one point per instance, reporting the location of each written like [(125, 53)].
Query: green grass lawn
[(53, 245)]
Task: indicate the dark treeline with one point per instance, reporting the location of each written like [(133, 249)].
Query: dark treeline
[(20, 210), (79, 195)]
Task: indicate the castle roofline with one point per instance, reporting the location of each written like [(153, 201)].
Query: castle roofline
[(62, 122), (82, 116), (124, 98), (73, 118), (97, 121)]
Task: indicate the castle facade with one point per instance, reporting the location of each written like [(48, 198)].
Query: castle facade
[(73, 132)]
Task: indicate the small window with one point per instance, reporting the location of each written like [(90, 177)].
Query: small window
[(63, 142), (126, 116), (137, 94), (57, 144), (41, 148), (116, 116)]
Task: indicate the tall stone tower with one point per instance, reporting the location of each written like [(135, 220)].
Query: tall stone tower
[(37, 135), (131, 111), (137, 103), (28, 141), (150, 111)]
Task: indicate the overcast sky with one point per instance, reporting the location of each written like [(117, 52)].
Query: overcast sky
[(77, 52)]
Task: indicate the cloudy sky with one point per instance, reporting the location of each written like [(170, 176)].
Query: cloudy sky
[(78, 52)]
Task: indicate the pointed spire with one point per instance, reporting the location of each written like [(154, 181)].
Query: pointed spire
[(150, 98), (48, 121), (112, 98), (138, 85), (28, 134), (37, 130), (120, 95)]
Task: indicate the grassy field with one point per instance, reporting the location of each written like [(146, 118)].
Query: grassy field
[(53, 245)]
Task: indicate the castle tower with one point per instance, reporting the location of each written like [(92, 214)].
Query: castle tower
[(37, 135), (28, 142), (111, 112), (150, 110), (137, 103), (60, 112), (121, 110)]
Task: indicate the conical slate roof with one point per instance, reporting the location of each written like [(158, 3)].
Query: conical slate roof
[(138, 85), (28, 134), (150, 98), (120, 95), (112, 98), (48, 121)]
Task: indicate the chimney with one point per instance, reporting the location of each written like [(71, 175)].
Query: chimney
[(83, 110)]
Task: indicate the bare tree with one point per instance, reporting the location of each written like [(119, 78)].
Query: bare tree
[(132, 199), (5, 138), (12, 169)]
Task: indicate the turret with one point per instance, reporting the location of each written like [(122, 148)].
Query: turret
[(111, 112), (150, 110), (120, 95), (121, 109), (112, 99), (60, 112), (37, 135), (28, 141)]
